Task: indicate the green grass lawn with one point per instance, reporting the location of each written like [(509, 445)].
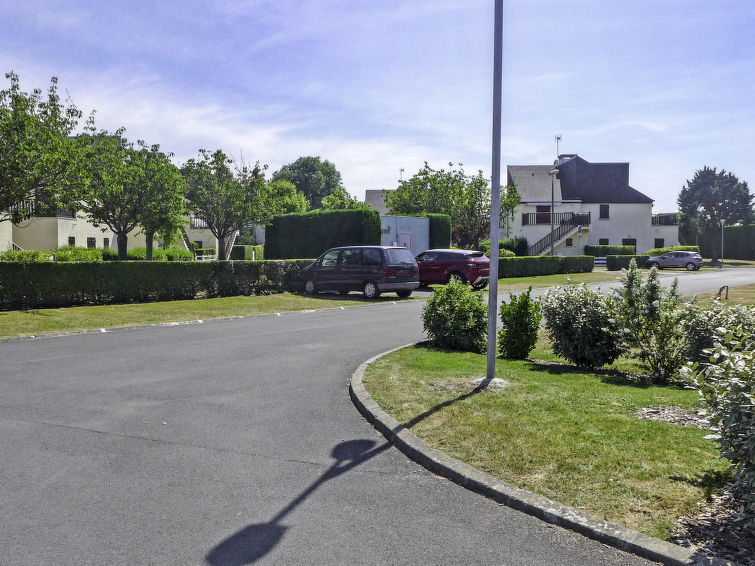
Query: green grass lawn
[(510, 284), (567, 434), (45, 321)]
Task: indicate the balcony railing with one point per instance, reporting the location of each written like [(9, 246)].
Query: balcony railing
[(573, 218), (195, 222), (665, 219), (563, 223), (43, 209)]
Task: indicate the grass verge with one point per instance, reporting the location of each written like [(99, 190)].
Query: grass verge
[(45, 321), (522, 283), (567, 434)]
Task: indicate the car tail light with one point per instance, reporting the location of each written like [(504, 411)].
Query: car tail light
[(389, 273)]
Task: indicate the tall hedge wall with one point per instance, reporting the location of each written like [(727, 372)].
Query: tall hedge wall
[(543, 265), (739, 242), (440, 231), (308, 234), (41, 285)]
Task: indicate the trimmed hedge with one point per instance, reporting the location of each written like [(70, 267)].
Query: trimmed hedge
[(543, 265), (308, 234), (617, 262), (440, 231), (173, 253), (739, 242), (52, 284), (661, 251), (248, 253), (603, 251)]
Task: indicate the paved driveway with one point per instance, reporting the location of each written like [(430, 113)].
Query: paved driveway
[(234, 442)]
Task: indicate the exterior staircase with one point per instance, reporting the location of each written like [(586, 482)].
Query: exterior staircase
[(565, 224)]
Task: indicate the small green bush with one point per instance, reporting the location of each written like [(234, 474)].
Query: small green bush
[(71, 253), (26, 256), (661, 251), (248, 253), (516, 245), (455, 318), (520, 321), (580, 326), (702, 324), (109, 254), (602, 251), (618, 262), (174, 253), (727, 387)]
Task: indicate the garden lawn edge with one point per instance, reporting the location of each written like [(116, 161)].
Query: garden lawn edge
[(520, 499)]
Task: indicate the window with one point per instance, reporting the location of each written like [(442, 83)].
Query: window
[(91, 242), (71, 241), (658, 243), (105, 242), (604, 211), (330, 259), (371, 256), (603, 242), (351, 257), (543, 214), (399, 255), (569, 242), (630, 242)]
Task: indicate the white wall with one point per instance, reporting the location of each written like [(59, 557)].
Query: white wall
[(6, 235)]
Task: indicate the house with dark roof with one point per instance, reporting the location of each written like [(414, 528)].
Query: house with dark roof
[(573, 203)]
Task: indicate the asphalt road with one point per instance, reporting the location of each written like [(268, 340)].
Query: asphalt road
[(235, 442)]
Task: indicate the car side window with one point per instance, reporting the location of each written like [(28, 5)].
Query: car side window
[(427, 256), (350, 257), (371, 256), (330, 259)]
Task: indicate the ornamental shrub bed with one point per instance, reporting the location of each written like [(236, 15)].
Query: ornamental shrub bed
[(52, 284), (543, 265)]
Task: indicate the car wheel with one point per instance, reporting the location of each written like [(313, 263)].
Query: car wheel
[(404, 293), (480, 285), (371, 290), (456, 276), (653, 264), (690, 266), (309, 287)]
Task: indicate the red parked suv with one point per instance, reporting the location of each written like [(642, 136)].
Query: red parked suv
[(441, 266)]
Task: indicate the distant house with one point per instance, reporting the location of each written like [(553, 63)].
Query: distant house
[(376, 199), (592, 203)]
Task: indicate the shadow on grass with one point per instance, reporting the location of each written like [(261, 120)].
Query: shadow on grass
[(607, 375), (710, 481)]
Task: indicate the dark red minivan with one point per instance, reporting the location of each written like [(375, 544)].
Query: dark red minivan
[(441, 266)]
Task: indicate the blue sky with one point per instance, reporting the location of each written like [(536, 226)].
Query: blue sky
[(379, 86)]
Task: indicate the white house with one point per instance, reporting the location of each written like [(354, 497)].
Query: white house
[(591, 203)]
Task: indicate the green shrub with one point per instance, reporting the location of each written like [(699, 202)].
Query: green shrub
[(455, 318), (702, 324), (520, 321), (26, 256), (140, 254), (543, 265), (516, 245), (602, 251), (248, 253), (174, 253), (618, 262), (652, 319), (727, 387), (580, 326), (71, 253), (661, 251), (440, 231), (109, 254), (308, 234)]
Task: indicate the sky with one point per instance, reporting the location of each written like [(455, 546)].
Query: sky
[(380, 87)]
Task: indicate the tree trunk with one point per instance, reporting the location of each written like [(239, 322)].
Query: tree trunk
[(222, 252), (150, 237), (122, 247)]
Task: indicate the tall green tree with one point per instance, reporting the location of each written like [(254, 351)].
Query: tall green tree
[(163, 191), (340, 199), (38, 160), (312, 176), (225, 196), (465, 198), (283, 198), (714, 197)]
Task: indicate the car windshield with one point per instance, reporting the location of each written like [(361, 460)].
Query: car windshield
[(399, 255)]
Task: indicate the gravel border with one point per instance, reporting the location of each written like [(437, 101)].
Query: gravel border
[(514, 497)]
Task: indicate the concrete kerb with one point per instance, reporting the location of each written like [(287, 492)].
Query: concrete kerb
[(516, 498)]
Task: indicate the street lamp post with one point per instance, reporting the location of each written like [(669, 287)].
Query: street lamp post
[(553, 172)]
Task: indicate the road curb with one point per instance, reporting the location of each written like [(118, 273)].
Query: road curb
[(516, 498)]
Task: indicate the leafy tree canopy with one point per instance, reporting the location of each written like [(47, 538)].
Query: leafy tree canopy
[(312, 176), (283, 198), (465, 198), (37, 158), (225, 195), (340, 199), (713, 197)]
